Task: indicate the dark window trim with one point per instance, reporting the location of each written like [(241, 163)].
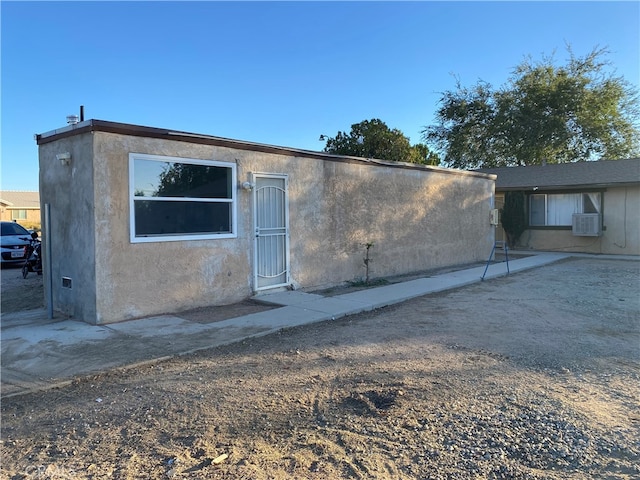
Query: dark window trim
[(560, 192)]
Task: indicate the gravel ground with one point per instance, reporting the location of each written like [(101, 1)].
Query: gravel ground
[(19, 294), (532, 376)]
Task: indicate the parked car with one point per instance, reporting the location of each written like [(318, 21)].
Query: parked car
[(15, 239)]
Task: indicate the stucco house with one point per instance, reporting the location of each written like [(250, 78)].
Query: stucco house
[(590, 207), (20, 206), (144, 221)]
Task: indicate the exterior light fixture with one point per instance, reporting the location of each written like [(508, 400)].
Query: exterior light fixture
[(65, 158), (248, 186)]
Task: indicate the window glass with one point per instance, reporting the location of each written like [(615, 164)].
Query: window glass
[(181, 199), (591, 203), (561, 207), (171, 218), (557, 209), (18, 214), (173, 179), (12, 228), (537, 209)]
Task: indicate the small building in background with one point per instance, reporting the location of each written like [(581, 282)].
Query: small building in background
[(22, 207), (588, 207)]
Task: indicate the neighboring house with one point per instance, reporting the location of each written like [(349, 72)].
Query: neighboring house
[(148, 221), (23, 207), (591, 207)]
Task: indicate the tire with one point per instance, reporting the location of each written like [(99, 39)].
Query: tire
[(25, 271)]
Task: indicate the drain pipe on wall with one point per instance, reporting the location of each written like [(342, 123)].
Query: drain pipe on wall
[(47, 244)]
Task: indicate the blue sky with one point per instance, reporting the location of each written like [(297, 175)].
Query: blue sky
[(280, 73)]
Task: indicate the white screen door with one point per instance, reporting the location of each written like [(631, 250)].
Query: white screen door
[(271, 222)]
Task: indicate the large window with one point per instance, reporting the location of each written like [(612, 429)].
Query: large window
[(557, 209), (181, 199)]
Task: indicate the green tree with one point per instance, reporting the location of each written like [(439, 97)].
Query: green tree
[(421, 154), (513, 217), (374, 139), (183, 179), (545, 113)]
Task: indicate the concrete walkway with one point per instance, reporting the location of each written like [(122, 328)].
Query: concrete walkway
[(38, 353)]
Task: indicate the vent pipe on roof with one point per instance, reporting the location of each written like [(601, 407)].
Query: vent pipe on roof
[(74, 119)]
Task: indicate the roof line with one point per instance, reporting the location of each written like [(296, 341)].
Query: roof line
[(582, 187), (93, 125)]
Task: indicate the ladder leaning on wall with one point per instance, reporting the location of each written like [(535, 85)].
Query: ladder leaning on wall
[(497, 244)]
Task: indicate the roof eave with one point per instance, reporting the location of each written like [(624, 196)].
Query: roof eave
[(541, 188), (93, 125)]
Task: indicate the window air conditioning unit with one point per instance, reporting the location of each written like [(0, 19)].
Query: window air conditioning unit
[(587, 225)]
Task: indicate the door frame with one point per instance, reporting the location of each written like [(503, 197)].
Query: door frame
[(254, 180)]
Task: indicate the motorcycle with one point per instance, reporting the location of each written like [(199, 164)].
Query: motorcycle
[(33, 257)]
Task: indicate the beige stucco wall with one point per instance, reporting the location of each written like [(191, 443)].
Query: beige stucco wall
[(416, 219), (620, 235), (69, 192), (622, 221), (151, 278)]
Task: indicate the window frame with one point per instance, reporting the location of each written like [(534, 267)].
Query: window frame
[(232, 200), (561, 192), (19, 214)]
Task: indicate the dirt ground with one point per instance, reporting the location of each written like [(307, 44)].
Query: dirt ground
[(531, 376), (17, 293)]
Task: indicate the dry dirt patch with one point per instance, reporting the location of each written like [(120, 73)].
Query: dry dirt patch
[(19, 294), (530, 376)]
